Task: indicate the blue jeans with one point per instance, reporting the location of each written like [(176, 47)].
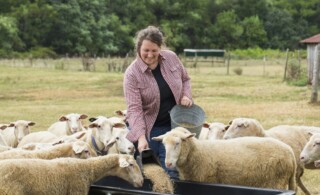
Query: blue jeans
[(160, 151)]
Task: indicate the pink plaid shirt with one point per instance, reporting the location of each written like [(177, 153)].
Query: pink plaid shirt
[(142, 92)]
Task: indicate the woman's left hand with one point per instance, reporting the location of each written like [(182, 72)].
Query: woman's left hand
[(185, 101)]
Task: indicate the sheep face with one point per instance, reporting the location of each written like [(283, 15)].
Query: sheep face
[(82, 150), (172, 142), (123, 145), (74, 121), (104, 130), (216, 131), (21, 128), (311, 151), (130, 170), (241, 127)]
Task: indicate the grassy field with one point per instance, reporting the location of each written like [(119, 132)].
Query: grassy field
[(44, 94)]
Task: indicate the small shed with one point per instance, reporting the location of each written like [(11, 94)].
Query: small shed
[(311, 42), (313, 45)]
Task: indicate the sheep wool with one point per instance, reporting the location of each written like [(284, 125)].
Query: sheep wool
[(248, 161), (64, 176), (159, 178)]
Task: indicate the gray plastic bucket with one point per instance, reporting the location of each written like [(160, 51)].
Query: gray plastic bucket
[(191, 118)]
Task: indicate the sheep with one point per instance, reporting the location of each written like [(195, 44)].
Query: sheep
[(212, 131), (311, 151), (43, 139), (5, 148), (161, 181), (257, 162), (110, 136), (119, 143), (64, 175), (77, 149), (2, 139), (16, 131), (68, 124), (37, 137), (295, 136)]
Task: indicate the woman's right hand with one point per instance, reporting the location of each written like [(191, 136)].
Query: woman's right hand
[(142, 143)]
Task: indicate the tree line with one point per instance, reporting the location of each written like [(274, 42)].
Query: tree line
[(107, 27)]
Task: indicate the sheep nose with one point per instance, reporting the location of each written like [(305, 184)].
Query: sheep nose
[(302, 157), (168, 165)]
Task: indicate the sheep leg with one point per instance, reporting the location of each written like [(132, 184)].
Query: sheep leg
[(299, 182)]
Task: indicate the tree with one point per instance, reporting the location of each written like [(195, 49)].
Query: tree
[(254, 34), (9, 39), (227, 30)]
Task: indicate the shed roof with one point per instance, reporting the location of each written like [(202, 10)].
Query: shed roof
[(313, 39)]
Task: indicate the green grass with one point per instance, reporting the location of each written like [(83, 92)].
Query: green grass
[(44, 94)]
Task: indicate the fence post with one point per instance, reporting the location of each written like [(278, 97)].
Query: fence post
[(286, 66), (315, 79)]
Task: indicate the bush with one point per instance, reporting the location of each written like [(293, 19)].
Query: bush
[(237, 71)]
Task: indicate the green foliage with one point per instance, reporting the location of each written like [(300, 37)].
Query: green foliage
[(107, 27), (296, 75), (257, 53)]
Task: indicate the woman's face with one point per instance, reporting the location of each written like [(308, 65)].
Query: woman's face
[(149, 53)]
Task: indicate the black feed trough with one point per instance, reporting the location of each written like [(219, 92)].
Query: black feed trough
[(116, 186)]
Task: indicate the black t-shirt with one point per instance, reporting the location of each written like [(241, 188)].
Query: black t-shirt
[(167, 100)]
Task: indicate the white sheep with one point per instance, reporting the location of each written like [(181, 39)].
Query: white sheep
[(16, 131), (37, 137), (2, 139), (311, 151), (64, 175), (212, 131), (5, 148), (256, 162), (119, 142), (296, 137), (43, 139), (77, 149), (68, 124)]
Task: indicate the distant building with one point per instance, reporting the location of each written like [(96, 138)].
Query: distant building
[(312, 42)]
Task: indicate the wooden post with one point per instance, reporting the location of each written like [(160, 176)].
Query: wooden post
[(315, 79), (228, 63), (286, 66)]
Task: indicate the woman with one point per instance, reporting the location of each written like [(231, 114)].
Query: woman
[(153, 83)]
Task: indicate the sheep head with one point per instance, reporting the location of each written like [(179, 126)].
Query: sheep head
[(241, 127), (172, 142), (311, 151), (129, 170)]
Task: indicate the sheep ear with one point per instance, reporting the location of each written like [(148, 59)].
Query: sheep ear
[(63, 118), (92, 119), (205, 125), (83, 116), (230, 122), (77, 148), (123, 162), (159, 138), (79, 135), (2, 127), (188, 135), (31, 123), (119, 113), (226, 127), (119, 125), (11, 125), (111, 142)]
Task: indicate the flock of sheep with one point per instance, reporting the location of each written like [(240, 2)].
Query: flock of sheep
[(304, 142), (68, 157)]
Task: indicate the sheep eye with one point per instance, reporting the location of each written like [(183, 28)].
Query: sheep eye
[(117, 138)]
